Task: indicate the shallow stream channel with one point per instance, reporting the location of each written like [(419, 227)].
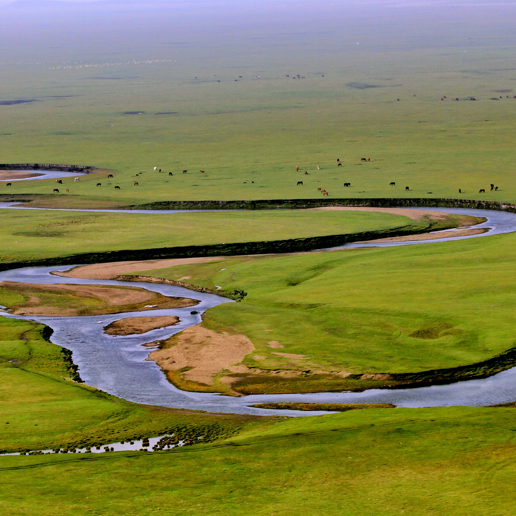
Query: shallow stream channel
[(118, 365)]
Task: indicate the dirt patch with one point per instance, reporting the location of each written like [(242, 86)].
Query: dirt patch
[(113, 269), (274, 344), (429, 236), (198, 354), (6, 175), (407, 212), (139, 325), (72, 300)]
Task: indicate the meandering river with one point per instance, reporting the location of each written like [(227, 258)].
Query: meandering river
[(118, 365)]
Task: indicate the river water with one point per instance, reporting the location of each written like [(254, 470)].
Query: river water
[(118, 365)]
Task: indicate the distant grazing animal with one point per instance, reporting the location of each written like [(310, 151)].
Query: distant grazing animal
[(496, 189), (110, 176), (170, 174), (59, 181), (77, 179), (155, 168), (482, 190), (299, 183), (363, 159), (492, 187), (117, 188), (319, 189), (8, 184), (398, 100), (202, 171), (185, 171), (392, 183), (159, 170), (318, 167), (368, 159), (460, 191), (136, 183), (297, 168), (67, 190), (306, 173), (338, 160), (407, 188), (347, 184), (339, 164), (99, 184), (325, 193), (56, 190)]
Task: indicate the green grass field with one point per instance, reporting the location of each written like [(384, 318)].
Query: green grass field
[(35, 234), (132, 92), (391, 310)]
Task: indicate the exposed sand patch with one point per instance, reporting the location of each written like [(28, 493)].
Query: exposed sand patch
[(113, 269), (274, 344), (105, 299), (429, 236), (5, 175), (407, 212), (203, 352), (139, 325)]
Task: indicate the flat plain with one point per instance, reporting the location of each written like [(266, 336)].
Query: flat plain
[(307, 88)]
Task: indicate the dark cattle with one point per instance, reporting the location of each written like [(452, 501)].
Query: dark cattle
[(299, 183), (110, 176), (117, 188), (59, 181), (338, 160), (407, 188), (398, 100), (393, 183), (170, 174), (492, 187), (159, 170), (136, 183), (347, 184), (56, 190), (319, 189), (482, 190), (339, 164), (99, 184), (8, 184), (460, 191), (363, 159), (496, 189), (185, 171)]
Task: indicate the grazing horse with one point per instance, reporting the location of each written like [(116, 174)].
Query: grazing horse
[(460, 191), (339, 164), (170, 174), (306, 173), (185, 171), (67, 190), (363, 159), (325, 193), (318, 167), (297, 168), (347, 184), (155, 168), (77, 179), (368, 159), (159, 170), (99, 184), (55, 190), (392, 183), (59, 181), (201, 171), (319, 189), (136, 183), (496, 189), (407, 188), (482, 190), (299, 183), (8, 184), (110, 176), (117, 188), (492, 187)]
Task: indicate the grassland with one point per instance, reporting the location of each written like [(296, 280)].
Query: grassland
[(35, 234), (422, 462), (368, 311)]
